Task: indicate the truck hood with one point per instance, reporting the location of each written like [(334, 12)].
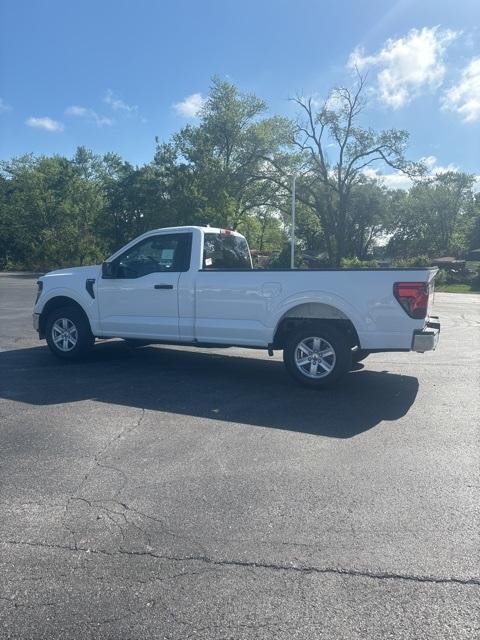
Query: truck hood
[(79, 272)]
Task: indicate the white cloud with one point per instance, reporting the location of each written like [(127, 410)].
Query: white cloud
[(76, 111), (399, 180), (45, 123), (117, 104), (433, 168), (407, 66), (464, 97), (4, 107), (90, 115), (191, 106)]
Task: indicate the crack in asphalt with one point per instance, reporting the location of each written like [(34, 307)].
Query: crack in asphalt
[(250, 564), (103, 450), (109, 513), (97, 463), (101, 505)]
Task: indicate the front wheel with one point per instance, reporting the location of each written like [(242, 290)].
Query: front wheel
[(68, 333), (317, 356)]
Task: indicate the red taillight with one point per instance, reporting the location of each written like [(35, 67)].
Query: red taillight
[(413, 296)]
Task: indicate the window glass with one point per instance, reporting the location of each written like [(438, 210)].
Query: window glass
[(155, 254), (222, 251)]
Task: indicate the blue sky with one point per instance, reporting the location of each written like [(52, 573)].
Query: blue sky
[(112, 75)]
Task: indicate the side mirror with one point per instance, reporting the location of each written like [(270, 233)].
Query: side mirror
[(108, 270)]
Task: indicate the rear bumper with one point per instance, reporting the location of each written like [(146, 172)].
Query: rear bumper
[(427, 339)]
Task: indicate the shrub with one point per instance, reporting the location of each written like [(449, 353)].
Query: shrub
[(356, 263), (416, 261)]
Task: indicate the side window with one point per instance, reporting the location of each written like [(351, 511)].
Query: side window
[(222, 251), (168, 252)]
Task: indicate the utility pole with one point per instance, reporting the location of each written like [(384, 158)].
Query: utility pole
[(292, 235)]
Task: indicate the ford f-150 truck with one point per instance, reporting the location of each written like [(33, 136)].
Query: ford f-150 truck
[(197, 286)]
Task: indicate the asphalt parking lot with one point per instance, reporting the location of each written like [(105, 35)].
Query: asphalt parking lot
[(171, 493)]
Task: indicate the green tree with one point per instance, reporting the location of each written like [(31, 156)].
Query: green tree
[(435, 217), (368, 217), (264, 230), (336, 150), (50, 206), (233, 169), (223, 160), (132, 201), (473, 233)]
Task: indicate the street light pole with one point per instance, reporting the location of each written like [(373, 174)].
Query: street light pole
[(292, 238)]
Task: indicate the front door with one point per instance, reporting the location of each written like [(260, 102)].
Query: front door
[(139, 298)]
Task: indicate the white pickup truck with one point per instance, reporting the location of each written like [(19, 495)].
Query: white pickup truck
[(196, 286)]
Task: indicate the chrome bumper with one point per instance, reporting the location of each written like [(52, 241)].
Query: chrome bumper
[(427, 339), (36, 321)]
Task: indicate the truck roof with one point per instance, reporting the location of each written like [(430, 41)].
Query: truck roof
[(194, 228)]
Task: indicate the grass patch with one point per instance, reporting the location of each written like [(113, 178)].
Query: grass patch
[(456, 288)]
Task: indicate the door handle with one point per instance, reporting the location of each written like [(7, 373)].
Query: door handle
[(163, 286)]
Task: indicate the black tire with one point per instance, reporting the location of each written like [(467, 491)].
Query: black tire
[(81, 331), (359, 355), (336, 342)]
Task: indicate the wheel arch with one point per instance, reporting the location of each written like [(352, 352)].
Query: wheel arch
[(308, 313), (56, 302)]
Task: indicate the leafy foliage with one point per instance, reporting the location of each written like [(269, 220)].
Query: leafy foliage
[(233, 169), (330, 179), (437, 216), (356, 263)]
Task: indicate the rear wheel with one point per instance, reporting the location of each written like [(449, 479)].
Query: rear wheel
[(317, 356), (68, 333)]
